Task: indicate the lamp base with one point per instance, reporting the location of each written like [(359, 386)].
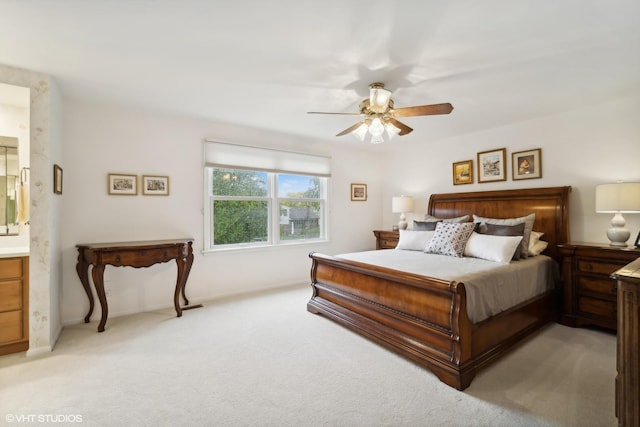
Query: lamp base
[(402, 225), (618, 234)]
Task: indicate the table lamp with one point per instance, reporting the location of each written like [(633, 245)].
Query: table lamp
[(618, 198), (402, 205)]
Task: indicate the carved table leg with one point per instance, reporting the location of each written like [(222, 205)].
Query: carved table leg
[(98, 280), (184, 267), (82, 268)]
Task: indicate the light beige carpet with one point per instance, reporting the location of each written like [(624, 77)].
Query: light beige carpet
[(263, 360)]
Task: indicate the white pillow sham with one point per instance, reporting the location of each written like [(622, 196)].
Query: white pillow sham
[(528, 227), (492, 247), (534, 237), (538, 248), (414, 240)]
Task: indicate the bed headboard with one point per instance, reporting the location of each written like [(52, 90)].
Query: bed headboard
[(551, 206)]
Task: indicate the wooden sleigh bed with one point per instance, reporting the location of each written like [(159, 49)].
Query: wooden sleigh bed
[(425, 319)]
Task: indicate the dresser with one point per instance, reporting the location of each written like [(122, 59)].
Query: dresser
[(628, 349), (588, 291), (14, 304), (386, 239)]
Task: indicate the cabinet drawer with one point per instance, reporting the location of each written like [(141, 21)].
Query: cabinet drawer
[(388, 243), (597, 307), (11, 326), (598, 267), (10, 268), (143, 258), (10, 295), (603, 286)]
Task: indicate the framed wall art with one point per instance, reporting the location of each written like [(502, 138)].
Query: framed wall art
[(527, 164), (122, 184), (358, 192), (463, 172), (155, 185), (492, 165), (57, 179)]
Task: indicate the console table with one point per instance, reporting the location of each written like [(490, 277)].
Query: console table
[(132, 254)]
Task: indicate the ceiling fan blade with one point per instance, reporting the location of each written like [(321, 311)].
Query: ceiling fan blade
[(351, 128), (341, 114), (422, 110), (404, 129)]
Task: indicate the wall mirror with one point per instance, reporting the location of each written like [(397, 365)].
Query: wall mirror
[(9, 187)]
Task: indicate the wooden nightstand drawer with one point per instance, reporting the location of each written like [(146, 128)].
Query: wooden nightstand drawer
[(598, 307), (605, 287), (598, 267)]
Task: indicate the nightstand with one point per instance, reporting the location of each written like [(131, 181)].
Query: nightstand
[(588, 291), (386, 239)]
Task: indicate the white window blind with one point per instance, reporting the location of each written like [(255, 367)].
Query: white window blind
[(227, 155)]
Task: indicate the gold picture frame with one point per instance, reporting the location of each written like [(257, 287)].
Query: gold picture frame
[(57, 179), (527, 164), (492, 165), (122, 184), (155, 185), (463, 172), (358, 192)]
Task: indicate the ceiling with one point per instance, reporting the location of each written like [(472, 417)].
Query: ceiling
[(264, 64)]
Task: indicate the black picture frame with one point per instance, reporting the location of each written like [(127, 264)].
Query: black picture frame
[(638, 240)]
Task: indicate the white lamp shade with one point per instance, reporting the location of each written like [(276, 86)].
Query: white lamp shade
[(621, 197), (401, 204)]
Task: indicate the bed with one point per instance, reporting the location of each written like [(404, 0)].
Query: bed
[(425, 318)]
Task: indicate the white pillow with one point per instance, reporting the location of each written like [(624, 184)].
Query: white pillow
[(533, 239), (491, 247), (528, 227), (538, 247), (412, 240)]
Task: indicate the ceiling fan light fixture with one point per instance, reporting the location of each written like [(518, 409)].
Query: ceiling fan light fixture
[(376, 128), (391, 130), (379, 98), (377, 139), (361, 131)]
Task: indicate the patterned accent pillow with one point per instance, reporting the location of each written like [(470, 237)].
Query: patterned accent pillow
[(450, 238)]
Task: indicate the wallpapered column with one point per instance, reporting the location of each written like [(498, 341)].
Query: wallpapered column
[(44, 319)]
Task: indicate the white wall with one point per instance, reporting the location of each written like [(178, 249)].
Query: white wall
[(581, 148), (102, 139)]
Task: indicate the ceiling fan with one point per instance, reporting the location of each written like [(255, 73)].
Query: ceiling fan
[(380, 115)]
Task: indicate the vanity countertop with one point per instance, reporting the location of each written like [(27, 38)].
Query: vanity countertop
[(14, 252)]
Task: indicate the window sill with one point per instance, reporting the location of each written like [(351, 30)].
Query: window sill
[(266, 247)]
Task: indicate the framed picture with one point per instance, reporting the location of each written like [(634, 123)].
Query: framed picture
[(155, 185), (57, 179), (359, 192), (126, 185), (492, 165), (463, 172), (526, 164)]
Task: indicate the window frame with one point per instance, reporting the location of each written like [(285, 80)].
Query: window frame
[(273, 206)]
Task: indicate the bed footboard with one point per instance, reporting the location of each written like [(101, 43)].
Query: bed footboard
[(421, 318)]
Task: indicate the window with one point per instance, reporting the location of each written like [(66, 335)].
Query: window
[(248, 207)]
